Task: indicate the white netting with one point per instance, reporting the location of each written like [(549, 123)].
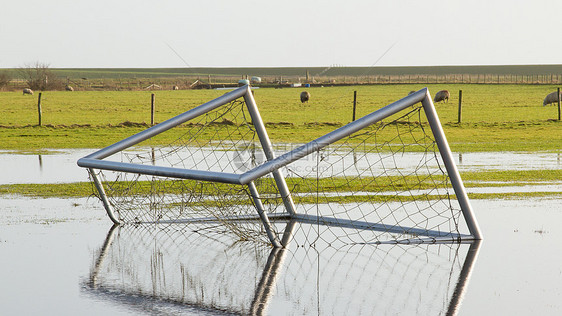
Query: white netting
[(383, 183), (223, 140)]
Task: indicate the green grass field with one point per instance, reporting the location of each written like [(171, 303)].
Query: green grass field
[(494, 117)]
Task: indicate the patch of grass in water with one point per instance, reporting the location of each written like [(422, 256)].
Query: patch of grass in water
[(307, 186), (513, 177), (514, 195), (62, 190)]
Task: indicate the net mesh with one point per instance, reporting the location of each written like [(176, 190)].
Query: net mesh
[(222, 140), (384, 183)]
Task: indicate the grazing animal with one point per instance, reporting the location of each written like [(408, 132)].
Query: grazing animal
[(27, 91), (305, 96), (175, 88), (68, 88), (551, 98), (442, 95)]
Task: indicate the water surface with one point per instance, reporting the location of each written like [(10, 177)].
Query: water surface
[(60, 166), (62, 256), (56, 254)]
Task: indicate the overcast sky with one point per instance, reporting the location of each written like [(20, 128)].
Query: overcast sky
[(244, 33)]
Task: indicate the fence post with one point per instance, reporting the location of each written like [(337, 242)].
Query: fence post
[(355, 104), (460, 106), (39, 108), (558, 103), (152, 97)]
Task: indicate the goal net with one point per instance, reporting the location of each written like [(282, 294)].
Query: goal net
[(222, 140), (383, 178)]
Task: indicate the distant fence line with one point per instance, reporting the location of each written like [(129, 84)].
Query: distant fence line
[(459, 78), (197, 82)]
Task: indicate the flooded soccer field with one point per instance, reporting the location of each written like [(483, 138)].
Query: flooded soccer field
[(63, 256)]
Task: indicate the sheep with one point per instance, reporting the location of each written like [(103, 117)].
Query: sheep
[(442, 95), (27, 91), (305, 96), (551, 98), (175, 88), (68, 88)]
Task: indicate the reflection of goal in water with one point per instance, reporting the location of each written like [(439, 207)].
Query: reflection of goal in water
[(350, 184), (177, 269)]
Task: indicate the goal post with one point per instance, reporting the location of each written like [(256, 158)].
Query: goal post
[(452, 170), (356, 184)]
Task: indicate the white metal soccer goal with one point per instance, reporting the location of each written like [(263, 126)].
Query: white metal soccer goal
[(387, 177)]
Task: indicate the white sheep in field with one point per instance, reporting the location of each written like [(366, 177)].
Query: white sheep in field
[(68, 88), (551, 98), (442, 95), (175, 88), (27, 91), (305, 96)]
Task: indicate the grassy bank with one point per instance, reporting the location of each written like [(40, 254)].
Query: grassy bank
[(494, 117)]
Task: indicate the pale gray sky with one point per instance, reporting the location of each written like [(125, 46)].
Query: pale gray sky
[(246, 33)]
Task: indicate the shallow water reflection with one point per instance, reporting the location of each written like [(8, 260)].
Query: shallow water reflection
[(176, 266)]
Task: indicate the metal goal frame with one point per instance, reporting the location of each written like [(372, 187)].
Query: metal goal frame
[(274, 164)]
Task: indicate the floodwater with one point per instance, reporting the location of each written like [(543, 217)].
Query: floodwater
[(63, 257), (60, 166)]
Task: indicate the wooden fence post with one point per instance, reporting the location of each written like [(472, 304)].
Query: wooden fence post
[(460, 106), (354, 104), (152, 97), (39, 109), (558, 103)]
